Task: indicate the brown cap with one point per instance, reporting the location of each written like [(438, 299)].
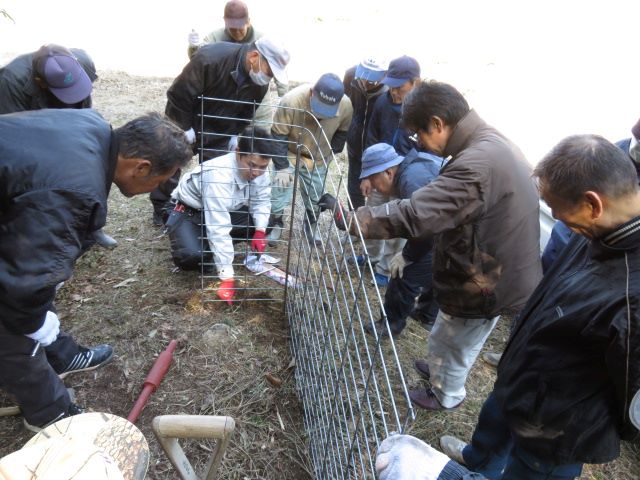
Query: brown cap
[(236, 14)]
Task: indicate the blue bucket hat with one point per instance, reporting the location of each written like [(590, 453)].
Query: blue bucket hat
[(378, 158), (327, 94)]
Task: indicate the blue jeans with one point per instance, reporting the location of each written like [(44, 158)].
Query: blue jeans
[(493, 453)]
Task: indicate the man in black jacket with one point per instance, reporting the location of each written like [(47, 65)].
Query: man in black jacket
[(568, 374), (234, 78), (56, 170), (52, 77)]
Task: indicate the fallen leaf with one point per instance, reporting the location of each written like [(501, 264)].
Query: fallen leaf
[(273, 380)]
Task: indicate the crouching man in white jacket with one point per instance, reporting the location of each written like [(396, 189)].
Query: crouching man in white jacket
[(223, 200)]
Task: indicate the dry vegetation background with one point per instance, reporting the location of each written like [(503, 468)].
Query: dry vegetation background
[(132, 298)]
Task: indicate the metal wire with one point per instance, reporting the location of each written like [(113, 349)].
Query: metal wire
[(350, 382)]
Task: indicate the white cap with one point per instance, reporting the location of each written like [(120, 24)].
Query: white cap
[(276, 55)]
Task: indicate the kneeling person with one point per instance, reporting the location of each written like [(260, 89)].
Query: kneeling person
[(223, 199)]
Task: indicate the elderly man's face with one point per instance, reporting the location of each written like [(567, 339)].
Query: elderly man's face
[(398, 93), (579, 217), (383, 182)]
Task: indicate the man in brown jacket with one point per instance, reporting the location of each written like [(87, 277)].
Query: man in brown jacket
[(482, 213)]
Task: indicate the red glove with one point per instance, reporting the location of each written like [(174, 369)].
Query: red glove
[(227, 290), (259, 242)]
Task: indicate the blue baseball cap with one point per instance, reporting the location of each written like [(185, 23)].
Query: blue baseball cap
[(401, 70), (377, 158), (327, 94)]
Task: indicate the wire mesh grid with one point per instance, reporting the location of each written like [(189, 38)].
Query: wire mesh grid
[(349, 381)]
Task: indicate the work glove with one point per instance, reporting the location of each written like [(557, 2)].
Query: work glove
[(227, 291), (283, 178), (259, 242), (397, 264), (403, 457), (190, 135), (49, 330), (194, 38), (329, 202)]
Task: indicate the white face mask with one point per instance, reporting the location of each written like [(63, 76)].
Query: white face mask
[(634, 150), (259, 77)]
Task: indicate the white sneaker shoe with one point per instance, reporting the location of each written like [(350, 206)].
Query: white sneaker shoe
[(452, 448)]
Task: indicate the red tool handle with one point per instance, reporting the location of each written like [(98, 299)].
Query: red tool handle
[(152, 382)]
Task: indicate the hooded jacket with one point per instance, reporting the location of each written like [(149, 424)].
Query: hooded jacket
[(56, 169), (216, 71), (569, 372), (482, 211)]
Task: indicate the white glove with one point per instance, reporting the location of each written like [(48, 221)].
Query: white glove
[(190, 135), (49, 330), (283, 178), (403, 457), (397, 264), (194, 38)]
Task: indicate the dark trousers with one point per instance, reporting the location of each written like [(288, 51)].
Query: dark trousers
[(189, 246), (353, 179), (29, 374), (400, 297), (493, 453)]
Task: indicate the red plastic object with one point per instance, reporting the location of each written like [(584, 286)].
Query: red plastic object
[(152, 382)]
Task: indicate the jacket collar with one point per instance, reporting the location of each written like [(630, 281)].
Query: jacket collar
[(462, 132), (240, 74), (113, 160), (625, 237)]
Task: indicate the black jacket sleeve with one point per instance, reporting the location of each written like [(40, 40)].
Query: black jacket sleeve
[(184, 91), (41, 236), (338, 140)]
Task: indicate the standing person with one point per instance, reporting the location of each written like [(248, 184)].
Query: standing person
[(396, 176), (231, 194), (52, 77), (561, 234), (237, 28), (321, 133), (56, 170), (482, 212), (362, 86), (239, 73), (384, 126), (569, 372)]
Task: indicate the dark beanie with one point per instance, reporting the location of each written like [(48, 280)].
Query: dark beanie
[(636, 130)]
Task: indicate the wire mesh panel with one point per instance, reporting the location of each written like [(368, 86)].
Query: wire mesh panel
[(349, 381)]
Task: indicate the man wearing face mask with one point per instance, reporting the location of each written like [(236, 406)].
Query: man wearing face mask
[(223, 71), (362, 86), (317, 116), (560, 235)]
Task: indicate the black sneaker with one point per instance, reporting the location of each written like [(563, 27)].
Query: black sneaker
[(71, 411), (88, 359)]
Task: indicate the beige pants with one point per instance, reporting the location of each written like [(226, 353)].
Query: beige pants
[(453, 347), (382, 251)]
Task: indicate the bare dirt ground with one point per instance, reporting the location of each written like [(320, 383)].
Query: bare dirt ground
[(132, 298)]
